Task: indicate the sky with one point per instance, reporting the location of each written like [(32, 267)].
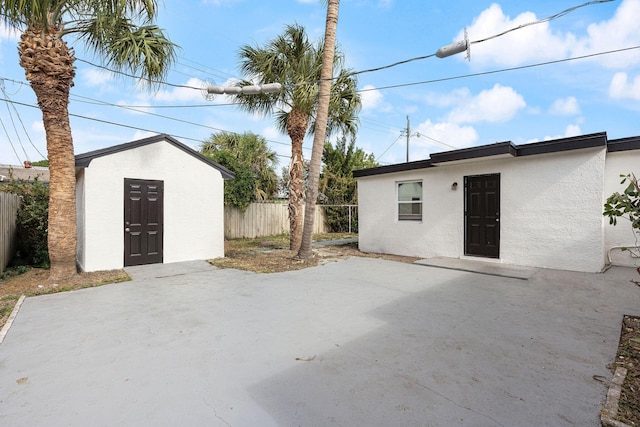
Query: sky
[(501, 92)]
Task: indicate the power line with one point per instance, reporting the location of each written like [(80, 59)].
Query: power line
[(134, 127), (9, 139), (98, 102), (547, 19), (24, 128), (138, 77), (419, 58), (484, 73), (390, 145), (15, 129), (369, 70)]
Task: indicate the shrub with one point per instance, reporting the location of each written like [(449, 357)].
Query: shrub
[(32, 220)]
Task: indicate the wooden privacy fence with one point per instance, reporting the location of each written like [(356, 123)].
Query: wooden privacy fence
[(9, 204), (264, 219)]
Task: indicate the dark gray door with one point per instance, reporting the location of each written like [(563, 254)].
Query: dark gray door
[(482, 215), (143, 225)]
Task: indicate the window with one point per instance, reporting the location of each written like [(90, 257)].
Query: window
[(410, 201)]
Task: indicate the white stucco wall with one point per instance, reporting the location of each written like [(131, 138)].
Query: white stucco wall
[(193, 205), (618, 163), (550, 210)]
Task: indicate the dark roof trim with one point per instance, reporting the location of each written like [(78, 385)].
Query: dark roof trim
[(496, 149), (401, 167), (508, 147), (83, 160), (564, 144), (624, 144)]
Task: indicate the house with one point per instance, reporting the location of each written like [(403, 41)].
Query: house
[(149, 201), (25, 173), (536, 204)]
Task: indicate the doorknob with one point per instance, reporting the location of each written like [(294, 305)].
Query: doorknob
[(126, 230)]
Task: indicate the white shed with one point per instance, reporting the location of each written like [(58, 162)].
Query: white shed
[(149, 201), (534, 205)]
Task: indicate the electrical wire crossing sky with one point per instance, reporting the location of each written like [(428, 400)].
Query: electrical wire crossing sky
[(530, 71)]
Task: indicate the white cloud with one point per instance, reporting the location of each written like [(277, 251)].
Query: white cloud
[(565, 107), (441, 136), (182, 94), (539, 42), (572, 130), (453, 98), (569, 131), (621, 88), (92, 77), (532, 43), (620, 31), (271, 132), (37, 126), (373, 99), (498, 104), (8, 33)]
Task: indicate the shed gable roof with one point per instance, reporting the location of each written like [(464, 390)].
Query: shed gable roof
[(510, 149), (83, 160)]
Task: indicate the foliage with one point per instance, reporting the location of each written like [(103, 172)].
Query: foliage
[(13, 272), (32, 220), (626, 205), (252, 161), (42, 163), (283, 179), (123, 36), (293, 61), (337, 184)]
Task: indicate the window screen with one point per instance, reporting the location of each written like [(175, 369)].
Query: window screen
[(410, 200)]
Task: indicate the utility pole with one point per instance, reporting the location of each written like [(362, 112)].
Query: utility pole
[(408, 136)]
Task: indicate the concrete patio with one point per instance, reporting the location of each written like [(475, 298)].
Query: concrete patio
[(360, 342)]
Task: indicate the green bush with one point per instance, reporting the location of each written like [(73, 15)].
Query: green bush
[(32, 220), (338, 219)]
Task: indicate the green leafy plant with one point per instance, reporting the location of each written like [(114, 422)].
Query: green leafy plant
[(32, 220), (626, 205), (250, 158), (337, 184)]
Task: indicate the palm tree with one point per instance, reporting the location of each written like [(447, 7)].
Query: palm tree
[(291, 60), (247, 153), (326, 76), (109, 28)]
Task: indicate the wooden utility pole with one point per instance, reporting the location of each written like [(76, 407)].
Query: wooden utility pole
[(408, 136)]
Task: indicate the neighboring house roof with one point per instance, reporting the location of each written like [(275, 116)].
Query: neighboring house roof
[(509, 149), (83, 160), (25, 174)]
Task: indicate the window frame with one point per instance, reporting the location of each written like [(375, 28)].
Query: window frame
[(418, 203)]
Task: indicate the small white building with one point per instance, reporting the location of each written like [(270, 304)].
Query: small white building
[(149, 201), (536, 204)]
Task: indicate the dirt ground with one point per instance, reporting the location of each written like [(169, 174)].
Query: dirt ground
[(629, 357), (271, 255)]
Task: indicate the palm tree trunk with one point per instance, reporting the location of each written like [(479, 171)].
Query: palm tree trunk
[(296, 128), (324, 92), (48, 65)]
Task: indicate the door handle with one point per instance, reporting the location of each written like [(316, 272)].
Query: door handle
[(126, 230), (497, 220)]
